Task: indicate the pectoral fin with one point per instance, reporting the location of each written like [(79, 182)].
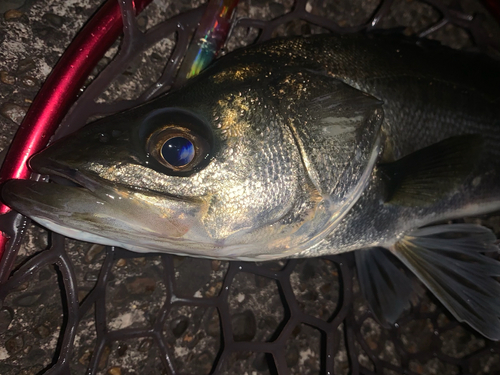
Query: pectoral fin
[(421, 178), (386, 288), (448, 259)]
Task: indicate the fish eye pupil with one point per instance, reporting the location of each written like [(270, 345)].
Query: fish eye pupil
[(178, 151)]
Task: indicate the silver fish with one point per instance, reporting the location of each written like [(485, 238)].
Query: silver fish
[(301, 147)]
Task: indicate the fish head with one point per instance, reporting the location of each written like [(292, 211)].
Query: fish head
[(234, 165)]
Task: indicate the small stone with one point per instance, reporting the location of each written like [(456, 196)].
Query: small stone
[(53, 19), (121, 262), (142, 21), (93, 252), (28, 81), (6, 78), (179, 325), (23, 286), (26, 300), (25, 65), (212, 291), (145, 345), (13, 112), (12, 14), (141, 285), (42, 331), (6, 316), (122, 349), (155, 57), (140, 261), (216, 265), (85, 358), (115, 371), (14, 344), (244, 326), (213, 326)]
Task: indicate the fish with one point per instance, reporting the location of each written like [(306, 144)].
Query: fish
[(302, 147)]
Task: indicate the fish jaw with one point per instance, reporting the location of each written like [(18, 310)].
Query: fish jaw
[(126, 219), (112, 215)]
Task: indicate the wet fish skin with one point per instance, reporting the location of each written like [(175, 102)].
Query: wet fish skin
[(426, 97), (301, 135)]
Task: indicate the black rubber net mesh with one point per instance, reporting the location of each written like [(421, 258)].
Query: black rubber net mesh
[(70, 306)]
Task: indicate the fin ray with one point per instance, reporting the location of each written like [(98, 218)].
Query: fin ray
[(457, 272), (386, 288), (426, 175)]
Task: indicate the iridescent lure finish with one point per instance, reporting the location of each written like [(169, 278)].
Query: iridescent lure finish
[(208, 39)]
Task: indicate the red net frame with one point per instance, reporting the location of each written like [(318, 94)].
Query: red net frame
[(340, 328)]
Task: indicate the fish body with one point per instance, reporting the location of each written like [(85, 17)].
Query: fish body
[(296, 147)]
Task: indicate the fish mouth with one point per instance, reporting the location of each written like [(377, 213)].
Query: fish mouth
[(88, 208), (29, 196)]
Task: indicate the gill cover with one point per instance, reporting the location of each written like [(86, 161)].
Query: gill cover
[(337, 131)]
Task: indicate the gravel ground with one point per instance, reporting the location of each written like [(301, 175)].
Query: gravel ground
[(33, 35)]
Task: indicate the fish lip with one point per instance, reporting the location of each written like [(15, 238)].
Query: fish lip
[(51, 167), (96, 185)]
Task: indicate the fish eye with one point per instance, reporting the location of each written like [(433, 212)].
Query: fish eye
[(178, 151), (178, 148)]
